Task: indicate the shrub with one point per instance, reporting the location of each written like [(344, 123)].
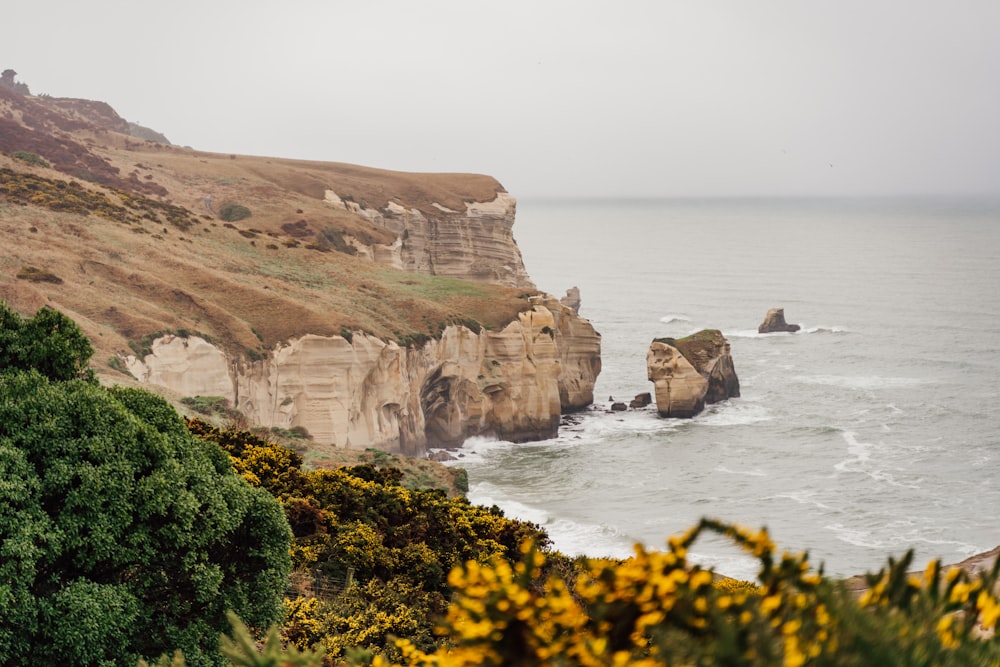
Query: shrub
[(116, 363), (49, 343), (657, 608), (234, 212), (36, 275), (122, 535), (359, 523), (208, 405), (30, 158)]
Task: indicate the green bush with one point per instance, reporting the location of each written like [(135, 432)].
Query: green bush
[(49, 343), (30, 158), (234, 212), (121, 535), (123, 531)]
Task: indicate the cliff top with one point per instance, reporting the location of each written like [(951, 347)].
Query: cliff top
[(133, 237)]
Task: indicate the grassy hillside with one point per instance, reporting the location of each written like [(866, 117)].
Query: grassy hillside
[(132, 238)]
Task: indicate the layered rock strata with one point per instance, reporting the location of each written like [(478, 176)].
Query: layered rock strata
[(688, 373), (513, 383), (474, 244)]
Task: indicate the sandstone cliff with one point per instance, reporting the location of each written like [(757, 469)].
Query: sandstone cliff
[(476, 243), (513, 383), (689, 372)]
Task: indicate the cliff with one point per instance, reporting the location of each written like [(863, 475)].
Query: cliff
[(372, 308), (364, 392), (476, 243)]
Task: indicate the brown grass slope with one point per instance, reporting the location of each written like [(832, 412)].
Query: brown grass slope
[(118, 234)]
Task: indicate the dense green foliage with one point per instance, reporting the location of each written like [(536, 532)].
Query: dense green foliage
[(49, 343), (121, 535), (234, 212)]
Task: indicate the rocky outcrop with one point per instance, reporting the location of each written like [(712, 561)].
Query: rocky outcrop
[(476, 243), (513, 383), (572, 299), (641, 400), (689, 372), (774, 322)]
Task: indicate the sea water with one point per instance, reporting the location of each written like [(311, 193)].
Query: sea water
[(873, 430)]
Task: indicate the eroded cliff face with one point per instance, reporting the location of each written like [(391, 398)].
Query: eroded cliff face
[(513, 383), (474, 244)]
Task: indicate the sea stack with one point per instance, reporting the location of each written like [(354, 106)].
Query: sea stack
[(774, 321), (689, 372)]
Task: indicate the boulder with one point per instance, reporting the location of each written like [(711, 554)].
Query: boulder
[(618, 407), (689, 372), (641, 400), (774, 321)]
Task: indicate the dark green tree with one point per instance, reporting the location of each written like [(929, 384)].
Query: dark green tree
[(121, 535), (49, 343)]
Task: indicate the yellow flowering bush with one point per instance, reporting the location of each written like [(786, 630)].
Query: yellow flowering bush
[(360, 525), (657, 608)]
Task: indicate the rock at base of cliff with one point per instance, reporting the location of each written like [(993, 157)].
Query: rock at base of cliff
[(689, 372), (774, 322)]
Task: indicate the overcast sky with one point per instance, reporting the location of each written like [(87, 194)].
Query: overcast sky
[(578, 98)]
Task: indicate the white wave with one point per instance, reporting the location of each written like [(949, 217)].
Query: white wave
[(865, 382), (674, 319), (571, 537), (756, 472), (901, 540), (856, 536), (861, 463), (753, 333), (860, 452), (733, 413), (821, 329), (749, 333), (476, 449), (803, 498)]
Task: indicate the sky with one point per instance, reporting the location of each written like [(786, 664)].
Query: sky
[(553, 98)]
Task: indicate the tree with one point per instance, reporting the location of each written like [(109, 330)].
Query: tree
[(49, 343), (121, 535)]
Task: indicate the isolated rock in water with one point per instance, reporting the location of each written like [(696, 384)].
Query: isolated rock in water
[(775, 321), (618, 407), (689, 372), (572, 299), (641, 400), (680, 389)]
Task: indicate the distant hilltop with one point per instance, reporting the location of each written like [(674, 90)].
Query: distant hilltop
[(100, 113)]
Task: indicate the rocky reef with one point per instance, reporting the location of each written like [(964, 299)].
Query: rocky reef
[(688, 373), (364, 392)]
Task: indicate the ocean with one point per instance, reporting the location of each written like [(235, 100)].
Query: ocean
[(873, 430)]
